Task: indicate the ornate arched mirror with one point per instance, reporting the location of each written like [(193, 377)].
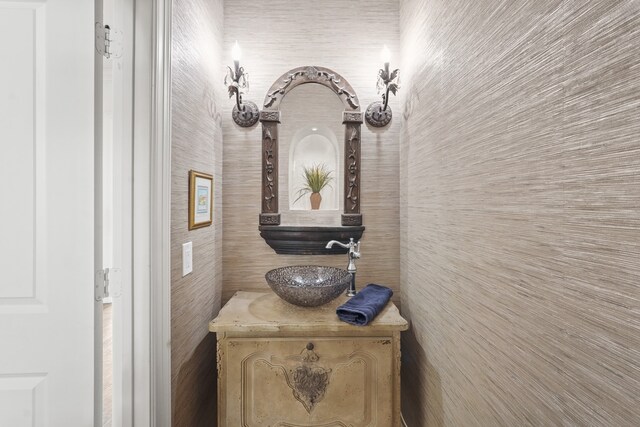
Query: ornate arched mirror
[(310, 162)]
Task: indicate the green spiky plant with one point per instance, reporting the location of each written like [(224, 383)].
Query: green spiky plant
[(316, 177)]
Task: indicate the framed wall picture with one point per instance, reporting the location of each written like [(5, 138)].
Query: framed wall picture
[(200, 199)]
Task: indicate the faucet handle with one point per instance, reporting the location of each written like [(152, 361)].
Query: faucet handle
[(354, 249)]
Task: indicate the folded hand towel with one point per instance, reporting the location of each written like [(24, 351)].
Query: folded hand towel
[(365, 306)]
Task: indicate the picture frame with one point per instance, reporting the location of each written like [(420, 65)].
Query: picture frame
[(200, 200)]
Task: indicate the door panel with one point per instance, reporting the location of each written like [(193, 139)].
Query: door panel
[(21, 162), (46, 188)]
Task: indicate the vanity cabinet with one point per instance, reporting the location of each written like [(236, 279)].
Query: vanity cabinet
[(288, 366)]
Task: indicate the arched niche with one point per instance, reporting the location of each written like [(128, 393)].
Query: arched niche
[(300, 239), (314, 145)]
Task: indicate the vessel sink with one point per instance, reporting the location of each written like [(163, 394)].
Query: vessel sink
[(308, 285)]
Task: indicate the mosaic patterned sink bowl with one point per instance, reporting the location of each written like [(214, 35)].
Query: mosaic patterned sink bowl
[(308, 285)]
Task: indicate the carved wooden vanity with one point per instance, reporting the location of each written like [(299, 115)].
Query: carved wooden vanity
[(288, 366)]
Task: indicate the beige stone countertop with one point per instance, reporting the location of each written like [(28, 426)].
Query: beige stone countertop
[(266, 312)]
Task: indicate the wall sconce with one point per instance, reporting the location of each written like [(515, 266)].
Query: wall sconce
[(379, 114), (245, 113)]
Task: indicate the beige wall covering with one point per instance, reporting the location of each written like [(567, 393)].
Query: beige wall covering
[(275, 37), (521, 212), (196, 144)]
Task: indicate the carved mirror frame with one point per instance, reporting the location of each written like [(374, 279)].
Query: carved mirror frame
[(351, 218), (270, 118)]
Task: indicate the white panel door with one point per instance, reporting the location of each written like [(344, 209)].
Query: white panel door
[(46, 213)]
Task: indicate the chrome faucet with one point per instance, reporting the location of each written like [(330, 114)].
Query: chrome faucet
[(354, 254)]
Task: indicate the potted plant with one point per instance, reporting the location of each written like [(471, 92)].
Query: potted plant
[(316, 178)]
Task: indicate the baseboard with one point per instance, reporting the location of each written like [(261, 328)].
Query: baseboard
[(404, 423)]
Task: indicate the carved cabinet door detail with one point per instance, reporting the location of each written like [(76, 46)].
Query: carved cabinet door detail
[(319, 382)]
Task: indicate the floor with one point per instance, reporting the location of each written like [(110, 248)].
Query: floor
[(107, 364)]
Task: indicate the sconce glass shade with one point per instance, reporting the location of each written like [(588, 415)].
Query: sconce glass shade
[(385, 54), (236, 52)]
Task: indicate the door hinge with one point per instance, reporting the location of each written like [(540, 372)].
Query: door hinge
[(108, 41), (108, 283)]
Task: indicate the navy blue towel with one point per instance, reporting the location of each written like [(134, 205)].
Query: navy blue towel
[(365, 306)]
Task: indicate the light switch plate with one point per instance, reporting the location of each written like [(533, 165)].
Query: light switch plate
[(187, 258)]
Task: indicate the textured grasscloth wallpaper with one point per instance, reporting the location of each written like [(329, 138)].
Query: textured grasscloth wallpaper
[(520, 154), (196, 144), (279, 35)]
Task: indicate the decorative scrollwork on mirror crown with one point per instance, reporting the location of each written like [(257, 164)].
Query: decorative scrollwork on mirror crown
[(312, 74)]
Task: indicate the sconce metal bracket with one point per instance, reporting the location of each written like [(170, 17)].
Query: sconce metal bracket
[(376, 116), (246, 117)]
